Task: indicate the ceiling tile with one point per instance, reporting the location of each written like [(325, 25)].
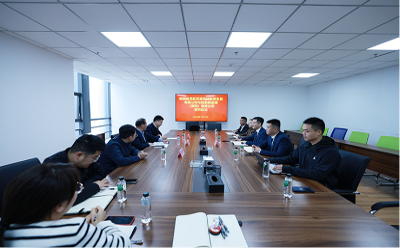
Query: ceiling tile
[(96, 61), (238, 53), (49, 39), (209, 17), (391, 56), (312, 63), (173, 53), (108, 52), (274, 1), (105, 17), (204, 62), (204, 73), (87, 39), (364, 64), (313, 18), (152, 62), (177, 62), (286, 63), (270, 53), (156, 17), (19, 22), (273, 69), (338, 64), (156, 68), (259, 62), (46, 14), (128, 62), (205, 53), (326, 41), (207, 39), (302, 54), (364, 55), (78, 53), (250, 69), (335, 2), (166, 39), (360, 20), (211, 1), (286, 40), (202, 77), (365, 41), (141, 52), (391, 27), (179, 68), (233, 62), (383, 2), (182, 73), (147, 1), (203, 68), (261, 18), (333, 55)]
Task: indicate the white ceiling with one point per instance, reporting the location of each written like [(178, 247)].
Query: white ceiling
[(188, 38)]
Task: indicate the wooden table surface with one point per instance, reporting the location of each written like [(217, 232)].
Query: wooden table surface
[(319, 219)]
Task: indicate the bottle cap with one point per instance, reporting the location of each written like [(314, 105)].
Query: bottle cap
[(235, 152), (146, 194), (289, 175), (121, 178)]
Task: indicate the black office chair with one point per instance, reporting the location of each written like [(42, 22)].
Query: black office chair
[(213, 126), (114, 135), (194, 128), (379, 205), (351, 170), (10, 171)]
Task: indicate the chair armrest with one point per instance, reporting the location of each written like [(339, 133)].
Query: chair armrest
[(380, 205), (345, 192)]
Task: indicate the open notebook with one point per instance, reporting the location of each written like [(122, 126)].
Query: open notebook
[(192, 231), (102, 199), (127, 229)]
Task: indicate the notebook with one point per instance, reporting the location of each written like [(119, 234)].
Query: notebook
[(102, 199), (127, 229), (238, 143), (248, 149), (192, 231)]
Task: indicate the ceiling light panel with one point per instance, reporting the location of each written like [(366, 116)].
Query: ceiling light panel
[(305, 75), (247, 39), (223, 73), (127, 39), (161, 73), (388, 45)]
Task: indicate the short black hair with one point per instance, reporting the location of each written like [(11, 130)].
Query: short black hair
[(140, 122), (316, 124), (259, 120), (88, 144), (158, 118), (275, 122), (126, 130), (244, 118)]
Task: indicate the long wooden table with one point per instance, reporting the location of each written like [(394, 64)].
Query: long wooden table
[(383, 160), (320, 219)]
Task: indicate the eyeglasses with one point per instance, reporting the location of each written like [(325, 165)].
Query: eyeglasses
[(95, 159), (79, 189)]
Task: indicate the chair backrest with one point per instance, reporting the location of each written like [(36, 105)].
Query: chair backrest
[(301, 128), (351, 170), (325, 132), (359, 137), (388, 142), (213, 126), (192, 123), (339, 133), (194, 128), (10, 171), (114, 135)]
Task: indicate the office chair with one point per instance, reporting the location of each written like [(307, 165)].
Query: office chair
[(325, 132), (10, 171), (213, 126), (379, 205), (114, 135), (193, 123), (359, 137), (389, 142), (194, 128), (339, 133), (351, 170)]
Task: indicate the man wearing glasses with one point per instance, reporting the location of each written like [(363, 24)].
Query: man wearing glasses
[(83, 156)]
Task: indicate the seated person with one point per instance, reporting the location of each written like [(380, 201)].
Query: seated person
[(83, 156), (243, 126), (249, 131), (318, 157), (36, 200), (153, 128), (119, 151), (259, 137), (277, 144), (144, 139)]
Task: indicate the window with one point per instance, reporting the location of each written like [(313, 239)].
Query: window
[(78, 105), (100, 113)]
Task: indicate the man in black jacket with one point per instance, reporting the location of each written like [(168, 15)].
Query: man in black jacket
[(318, 157), (83, 156), (243, 126)]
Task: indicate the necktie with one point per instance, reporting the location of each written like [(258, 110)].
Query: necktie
[(272, 143), (144, 137)]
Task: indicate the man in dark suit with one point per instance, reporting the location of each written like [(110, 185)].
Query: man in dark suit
[(259, 137), (277, 144), (243, 126), (144, 139), (153, 128)]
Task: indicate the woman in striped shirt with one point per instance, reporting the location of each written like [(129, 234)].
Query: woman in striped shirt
[(34, 202)]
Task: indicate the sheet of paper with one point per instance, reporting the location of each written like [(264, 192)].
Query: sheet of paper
[(127, 229), (106, 191), (248, 149), (172, 138), (86, 206), (191, 231), (271, 167), (238, 143), (230, 133), (235, 236), (208, 158)]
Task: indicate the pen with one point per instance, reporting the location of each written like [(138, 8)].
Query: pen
[(95, 217)]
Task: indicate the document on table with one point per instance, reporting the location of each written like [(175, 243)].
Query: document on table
[(238, 143), (271, 169), (102, 199), (159, 145), (248, 149), (174, 138), (230, 133), (127, 229)]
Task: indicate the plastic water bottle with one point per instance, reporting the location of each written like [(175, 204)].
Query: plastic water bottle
[(179, 141), (235, 155), (265, 172), (121, 189), (163, 154), (219, 140), (183, 139), (202, 133), (146, 208), (287, 191), (216, 133), (241, 150)]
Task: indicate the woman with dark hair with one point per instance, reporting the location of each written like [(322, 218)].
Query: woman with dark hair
[(34, 202)]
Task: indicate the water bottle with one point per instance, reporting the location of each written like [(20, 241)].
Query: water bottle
[(265, 172), (179, 141), (219, 140), (163, 155), (121, 189), (235, 155), (146, 208), (202, 133), (216, 133), (287, 192), (241, 150)]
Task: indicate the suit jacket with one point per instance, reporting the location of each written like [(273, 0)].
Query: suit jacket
[(282, 146), (257, 139), (142, 140), (151, 129), (244, 130)]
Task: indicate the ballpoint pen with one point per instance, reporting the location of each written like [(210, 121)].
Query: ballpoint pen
[(95, 217)]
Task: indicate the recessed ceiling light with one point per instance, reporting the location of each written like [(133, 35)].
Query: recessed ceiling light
[(223, 73), (161, 73), (388, 45), (305, 75), (127, 39), (247, 39)]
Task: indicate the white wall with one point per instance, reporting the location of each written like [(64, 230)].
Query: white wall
[(367, 102), (36, 101), (130, 102)]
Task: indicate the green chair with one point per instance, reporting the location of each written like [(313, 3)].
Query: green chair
[(388, 142), (301, 128), (359, 137), (325, 132)]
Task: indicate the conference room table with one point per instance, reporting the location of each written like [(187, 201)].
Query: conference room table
[(322, 218), (383, 160)]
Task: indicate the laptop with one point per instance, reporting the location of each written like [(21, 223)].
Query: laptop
[(261, 160)]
